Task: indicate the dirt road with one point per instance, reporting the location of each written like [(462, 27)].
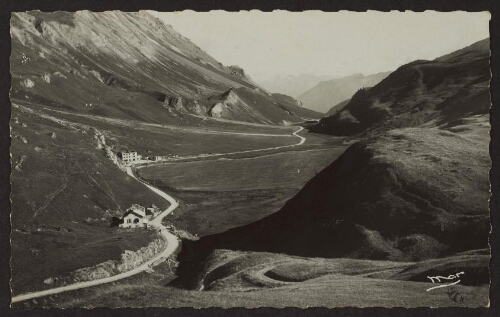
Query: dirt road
[(171, 240), (171, 245), (191, 157)]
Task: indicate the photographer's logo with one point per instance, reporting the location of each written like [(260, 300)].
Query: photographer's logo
[(442, 279)]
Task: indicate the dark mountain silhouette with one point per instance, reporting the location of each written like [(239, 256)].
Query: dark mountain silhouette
[(402, 193), (405, 195), (337, 107)]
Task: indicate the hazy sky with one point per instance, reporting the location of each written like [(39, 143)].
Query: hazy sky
[(267, 44)]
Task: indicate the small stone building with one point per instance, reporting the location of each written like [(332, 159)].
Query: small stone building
[(137, 217), (133, 219)]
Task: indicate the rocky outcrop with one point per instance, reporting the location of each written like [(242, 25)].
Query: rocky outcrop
[(28, 83), (228, 101), (218, 109), (19, 163), (108, 149), (101, 140), (129, 260), (46, 78), (175, 103)]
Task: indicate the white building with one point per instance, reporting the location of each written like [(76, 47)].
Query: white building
[(133, 219), (137, 217), (130, 156)]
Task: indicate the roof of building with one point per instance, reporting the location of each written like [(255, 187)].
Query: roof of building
[(137, 213)]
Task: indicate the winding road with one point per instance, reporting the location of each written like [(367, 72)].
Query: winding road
[(183, 158), (171, 245), (171, 241)]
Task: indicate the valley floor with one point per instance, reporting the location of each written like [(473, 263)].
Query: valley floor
[(236, 188), (43, 130)]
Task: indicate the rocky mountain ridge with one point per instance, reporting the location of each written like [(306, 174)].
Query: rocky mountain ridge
[(116, 64)]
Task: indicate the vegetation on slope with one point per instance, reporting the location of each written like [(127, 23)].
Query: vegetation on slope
[(327, 94), (406, 195), (217, 195), (65, 191), (252, 279), (420, 93), (83, 62)]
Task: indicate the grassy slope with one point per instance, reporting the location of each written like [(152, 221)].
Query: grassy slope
[(64, 194), (37, 256), (249, 279), (330, 292), (421, 92), (238, 271), (80, 62), (271, 106), (475, 268), (338, 107), (61, 166), (424, 194), (185, 140)]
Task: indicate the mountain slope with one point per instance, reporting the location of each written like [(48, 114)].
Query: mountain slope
[(405, 195), (338, 107), (125, 65), (87, 85), (65, 192), (327, 94), (422, 92)]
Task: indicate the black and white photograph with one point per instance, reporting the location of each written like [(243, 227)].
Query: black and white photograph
[(250, 159)]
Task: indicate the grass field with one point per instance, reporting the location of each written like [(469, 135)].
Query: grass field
[(290, 169), (52, 252), (224, 193), (330, 292)]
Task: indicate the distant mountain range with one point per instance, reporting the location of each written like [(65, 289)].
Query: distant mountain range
[(327, 94), (292, 85)]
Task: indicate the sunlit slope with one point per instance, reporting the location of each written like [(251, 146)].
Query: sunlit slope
[(65, 192), (420, 93), (125, 65)]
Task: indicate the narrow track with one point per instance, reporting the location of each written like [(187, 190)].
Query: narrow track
[(171, 241)]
